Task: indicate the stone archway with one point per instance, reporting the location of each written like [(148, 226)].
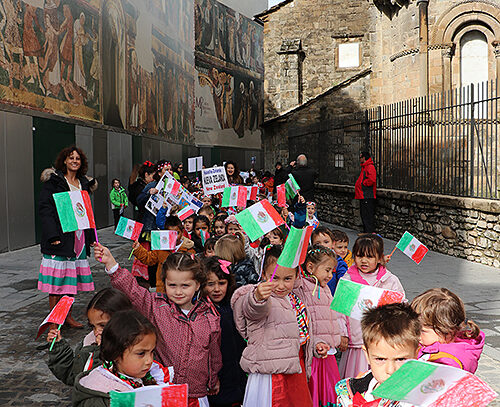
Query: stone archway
[(457, 21)]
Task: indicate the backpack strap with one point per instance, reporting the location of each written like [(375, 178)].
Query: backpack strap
[(440, 355)]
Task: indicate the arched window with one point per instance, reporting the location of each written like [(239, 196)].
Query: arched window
[(473, 58)]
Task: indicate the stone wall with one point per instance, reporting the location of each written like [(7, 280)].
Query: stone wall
[(462, 227)]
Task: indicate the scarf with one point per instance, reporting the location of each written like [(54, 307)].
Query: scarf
[(147, 380), (302, 320)]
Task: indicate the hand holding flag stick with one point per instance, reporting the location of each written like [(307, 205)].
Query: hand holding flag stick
[(56, 316)]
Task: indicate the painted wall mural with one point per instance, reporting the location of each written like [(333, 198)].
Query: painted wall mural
[(229, 86), (124, 63)]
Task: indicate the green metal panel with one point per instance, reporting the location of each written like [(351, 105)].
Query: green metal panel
[(49, 137), (137, 150)]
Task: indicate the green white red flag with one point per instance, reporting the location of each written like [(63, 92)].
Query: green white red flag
[(58, 314), (74, 210), (292, 187), (295, 250), (353, 299), (172, 186), (259, 219), (281, 192), (185, 212), (425, 384), (163, 239), (204, 236), (235, 196), (252, 193), (164, 395), (129, 229), (412, 247)]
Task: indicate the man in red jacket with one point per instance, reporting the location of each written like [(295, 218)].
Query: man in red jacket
[(365, 190)]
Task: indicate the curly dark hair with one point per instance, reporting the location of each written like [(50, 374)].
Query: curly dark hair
[(65, 153)]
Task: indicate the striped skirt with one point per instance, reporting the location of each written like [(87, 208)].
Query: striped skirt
[(65, 275)]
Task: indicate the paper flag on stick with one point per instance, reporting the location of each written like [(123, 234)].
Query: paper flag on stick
[(129, 229), (252, 193), (58, 314), (430, 384), (292, 187), (259, 219), (412, 247), (353, 299), (165, 395), (184, 213), (235, 196), (74, 210), (204, 236), (163, 239), (281, 192), (295, 250)]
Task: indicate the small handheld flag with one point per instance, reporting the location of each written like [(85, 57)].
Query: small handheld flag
[(281, 192), (259, 219), (129, 229), (204, 236), (164, 395), (295, 250), (252, 193), (412, 247), (353, 299), (292, 187), (172, 186), (74, 210), (430, 384), (163, 239), (185, 212), (57, 315), (235, 196)]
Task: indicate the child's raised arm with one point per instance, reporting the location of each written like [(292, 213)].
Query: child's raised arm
[(140, 297)]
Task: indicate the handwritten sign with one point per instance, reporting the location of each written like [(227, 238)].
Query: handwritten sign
[(214, 180)]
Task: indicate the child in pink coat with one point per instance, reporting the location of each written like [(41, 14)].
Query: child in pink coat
[(319, 267), (274, 321), (447, 336), (369, 269)]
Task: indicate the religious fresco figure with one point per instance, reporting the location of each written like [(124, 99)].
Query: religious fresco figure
[(81, 39), (51, 67), (66, 47), (32, 48)]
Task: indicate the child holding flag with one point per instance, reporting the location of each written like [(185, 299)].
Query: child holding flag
[(188, 326), (368, 269), (390, 337), (200, 233), (66, 365), (275, 323), (128, 342), (448, 337), (312, 289), (158, 257)]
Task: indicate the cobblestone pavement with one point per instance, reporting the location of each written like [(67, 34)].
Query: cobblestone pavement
[(26, 380)]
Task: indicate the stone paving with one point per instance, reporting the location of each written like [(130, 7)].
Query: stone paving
[(26, 380)]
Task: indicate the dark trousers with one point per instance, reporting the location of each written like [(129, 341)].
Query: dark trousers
[(116, 216), (367, 212)]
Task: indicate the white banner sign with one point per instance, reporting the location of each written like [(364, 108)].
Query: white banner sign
[(214, 180)]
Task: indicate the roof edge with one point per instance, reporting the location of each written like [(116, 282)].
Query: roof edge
[(272, 9)]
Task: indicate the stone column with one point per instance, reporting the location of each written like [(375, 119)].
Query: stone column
[(496, 52), (447, 55), (291, 57), (424, 46)]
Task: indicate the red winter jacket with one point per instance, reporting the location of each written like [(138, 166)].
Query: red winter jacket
[(366, 185)]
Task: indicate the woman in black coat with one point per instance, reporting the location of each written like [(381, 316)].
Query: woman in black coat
[(65, 269)]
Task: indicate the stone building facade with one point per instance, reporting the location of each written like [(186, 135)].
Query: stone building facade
[(413, 48)]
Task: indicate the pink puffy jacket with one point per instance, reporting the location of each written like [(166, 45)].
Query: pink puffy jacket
[(323, 321), (272, 332)]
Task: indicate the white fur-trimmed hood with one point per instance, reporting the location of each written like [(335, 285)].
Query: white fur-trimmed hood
[(47, 173)]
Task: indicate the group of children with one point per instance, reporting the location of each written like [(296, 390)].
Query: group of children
[(241, 330)]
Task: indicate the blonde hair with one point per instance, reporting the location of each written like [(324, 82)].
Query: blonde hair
[(231, 248), (444, 312)]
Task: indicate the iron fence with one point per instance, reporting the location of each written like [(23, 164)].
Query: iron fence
[(444, 143)]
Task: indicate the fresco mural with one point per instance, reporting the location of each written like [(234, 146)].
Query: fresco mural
[(123, 63), (49, 56), (229, 86)]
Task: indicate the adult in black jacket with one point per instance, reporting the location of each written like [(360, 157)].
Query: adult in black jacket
[(65, 269), (136, 186), (280, 176), (305, 177)]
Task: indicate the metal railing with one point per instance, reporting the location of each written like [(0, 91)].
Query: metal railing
[(445, 143)]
